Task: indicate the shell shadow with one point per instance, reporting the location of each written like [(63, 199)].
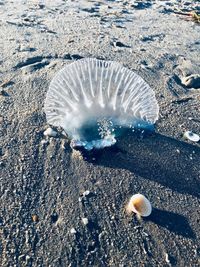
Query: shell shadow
[(172, 221), (155, 157)]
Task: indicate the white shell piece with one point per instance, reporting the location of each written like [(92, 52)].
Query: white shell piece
[(73, 231), (85, 221), (140, 205), (88, 89), (191, 136), (50, 132)]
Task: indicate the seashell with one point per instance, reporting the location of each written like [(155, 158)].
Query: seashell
[(50, 132), (73, 231), (85, 221), (92, 99), (191, 136), (140, 205)]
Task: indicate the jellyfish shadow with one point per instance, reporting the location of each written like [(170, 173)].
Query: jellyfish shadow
[(173, 222), (167, 161)]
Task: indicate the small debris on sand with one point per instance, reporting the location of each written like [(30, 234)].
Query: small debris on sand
[(44, 142), (35, 218), (167, 258), (73, 231), (85, 221), (191, 136), (86, 193), (50, 132), (191, 81)]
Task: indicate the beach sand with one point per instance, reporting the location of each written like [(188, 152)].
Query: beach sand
[(46, 188)]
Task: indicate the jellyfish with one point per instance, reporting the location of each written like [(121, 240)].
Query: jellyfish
[(92, 100)]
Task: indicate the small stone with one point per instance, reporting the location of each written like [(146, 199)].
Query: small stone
[(85, 221), (50, 132), (35, 218), (73, 231)]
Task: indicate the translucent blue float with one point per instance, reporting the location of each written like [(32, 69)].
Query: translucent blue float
[(92, 100)]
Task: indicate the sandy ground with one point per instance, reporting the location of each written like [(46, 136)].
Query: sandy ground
[(42, 185)]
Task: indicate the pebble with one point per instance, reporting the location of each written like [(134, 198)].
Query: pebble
[(85, 221), (50, 132), (73, 231), (35, 218)]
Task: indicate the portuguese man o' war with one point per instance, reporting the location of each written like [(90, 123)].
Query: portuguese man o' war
[(93, 99)]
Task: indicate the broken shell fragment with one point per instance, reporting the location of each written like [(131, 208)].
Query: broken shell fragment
[(50, 132), (140, 205), (191, 136), (85, 221), (73, 231)]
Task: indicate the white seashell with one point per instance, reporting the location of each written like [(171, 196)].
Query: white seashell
[(73, 231), (85, 221), (191, 136), (89, 90), (86, 193), (140, 205), (50, 132)]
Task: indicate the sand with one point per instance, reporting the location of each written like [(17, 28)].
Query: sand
[(46, 188)]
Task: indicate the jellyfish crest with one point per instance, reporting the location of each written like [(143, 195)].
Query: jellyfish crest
[(90, 90)]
